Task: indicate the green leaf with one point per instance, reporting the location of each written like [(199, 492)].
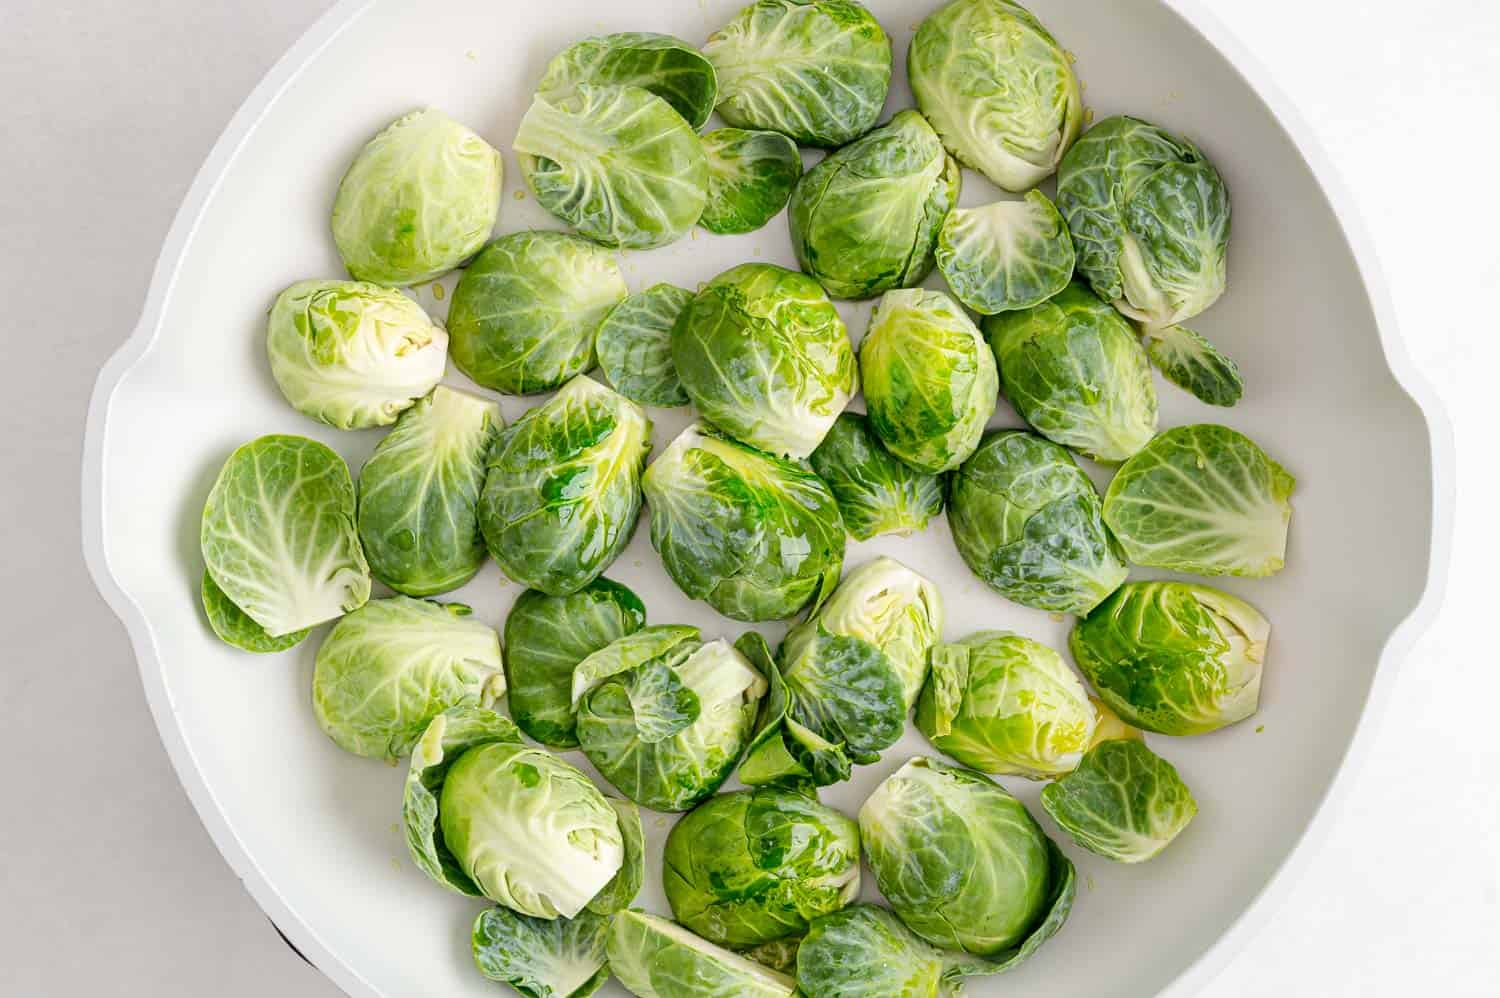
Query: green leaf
[(618, 163), (815, 70), (667, 67), (1195, 365), (750, 177), (1203, 499), (877, 493), (234, 627), (542, 958), (635, 346), (1007, 255)]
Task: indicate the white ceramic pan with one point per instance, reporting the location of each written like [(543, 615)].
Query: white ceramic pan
[(313, 832)]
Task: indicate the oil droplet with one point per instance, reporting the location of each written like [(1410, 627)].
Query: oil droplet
[(439, 292)]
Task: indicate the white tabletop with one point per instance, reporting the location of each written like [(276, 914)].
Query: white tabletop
[(109, 886)]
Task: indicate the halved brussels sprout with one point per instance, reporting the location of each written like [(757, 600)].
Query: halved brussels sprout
[(1006, 256), (877, 494), (635, 346), (278, 535), (1203, 499), (488, 816), (419, 199), (615, 162), (929, 378), (546, 637), (667, 731), (963, 864), (750, 178), (865, 950), (816, 70), (668, 67), (893, 608), (419, 494), (1001, 703), (1123, 802), (541, 958), (388, 668), (656, 958), (866, 218), (352, 355), (756, 537), (846, 678), (525, 313), (563, 491), (234, 627), (1073, 369), (1172, 657), (764, 356), (1030, 524), (749, 867), (1195, 365), (1150, 219), (998, 88)]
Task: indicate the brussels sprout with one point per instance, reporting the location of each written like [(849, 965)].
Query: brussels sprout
[(765, 357), (1150, 219), (1005, 256), (1203, 499), (234, 627), (1172, 657), (546, 637), (668, 731), (525, 313), (877, 494), (893, 608), (488, 816), (635, 346), (998, 88), (865, 950), (816, 70), (278, 535), (963, 864), (388, 668), (1195, 365), (420, 199), (1072, 368), (617, 163), (866, 218), (656, 958), (846, 678), (1029, 523), (562, 490), (541, 958), (746, 868), (756, 537), (930, 381), (352, 355), (750, 178), (1123, 802), (668, 67), (1001, 703), (419, 494)]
